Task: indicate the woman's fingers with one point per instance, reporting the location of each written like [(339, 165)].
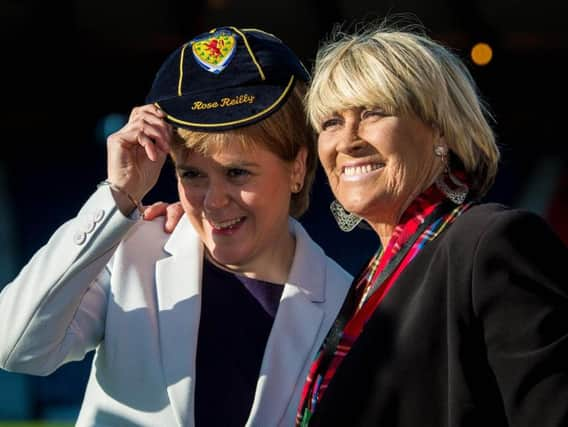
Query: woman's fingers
[(158, 131), (173, 213), (148, 144), (155, 210), (146, 109), (152, 137), (150, 120)]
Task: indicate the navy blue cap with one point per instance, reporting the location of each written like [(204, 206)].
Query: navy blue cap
[(226, 78)]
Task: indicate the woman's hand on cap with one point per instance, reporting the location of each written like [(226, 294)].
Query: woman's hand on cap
[(137, 152)]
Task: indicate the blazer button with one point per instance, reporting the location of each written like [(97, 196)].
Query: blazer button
[(88, 226), (99, 215), (79, 237)]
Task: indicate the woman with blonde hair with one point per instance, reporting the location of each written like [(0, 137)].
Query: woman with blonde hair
[(461, 316)]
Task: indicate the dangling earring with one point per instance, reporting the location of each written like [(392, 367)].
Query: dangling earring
[(345, 220), (458, 194)]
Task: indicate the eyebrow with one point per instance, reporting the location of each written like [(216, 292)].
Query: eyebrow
[(245, 164), (230, 165)]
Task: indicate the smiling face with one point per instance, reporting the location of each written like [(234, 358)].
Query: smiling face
[(377, 163), (238, 200)]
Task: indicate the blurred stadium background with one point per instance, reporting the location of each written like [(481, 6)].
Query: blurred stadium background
[(72, 70)]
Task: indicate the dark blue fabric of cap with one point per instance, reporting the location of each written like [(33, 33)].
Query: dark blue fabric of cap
[(226, 78)]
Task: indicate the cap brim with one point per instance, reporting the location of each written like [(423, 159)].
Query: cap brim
[(227, 109)]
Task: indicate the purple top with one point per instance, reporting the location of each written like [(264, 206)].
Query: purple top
[(236, 318), (266, 293)]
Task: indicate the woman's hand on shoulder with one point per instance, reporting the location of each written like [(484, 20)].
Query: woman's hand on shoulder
[(172, 211)]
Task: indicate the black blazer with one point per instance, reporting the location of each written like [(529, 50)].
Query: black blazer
[(474, 333)]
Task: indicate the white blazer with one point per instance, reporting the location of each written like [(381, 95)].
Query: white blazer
[(131, 292)]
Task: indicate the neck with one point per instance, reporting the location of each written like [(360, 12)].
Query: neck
[(383, 225), (272, 266), (384, 231)]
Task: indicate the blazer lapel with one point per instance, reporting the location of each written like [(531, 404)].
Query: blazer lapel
[(178, 283), (291, 344)]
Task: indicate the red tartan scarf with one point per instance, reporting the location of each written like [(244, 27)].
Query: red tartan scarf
[(421, 223)]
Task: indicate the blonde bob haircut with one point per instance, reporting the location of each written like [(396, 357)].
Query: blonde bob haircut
[(283, 133), (403, 71)]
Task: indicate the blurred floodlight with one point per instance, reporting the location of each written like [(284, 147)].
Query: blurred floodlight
[(481, 54)]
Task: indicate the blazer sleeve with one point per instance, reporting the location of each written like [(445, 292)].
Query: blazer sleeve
[(54, 310), (520, 295)]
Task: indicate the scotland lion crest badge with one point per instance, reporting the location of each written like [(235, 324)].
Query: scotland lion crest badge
[(215, 51)]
